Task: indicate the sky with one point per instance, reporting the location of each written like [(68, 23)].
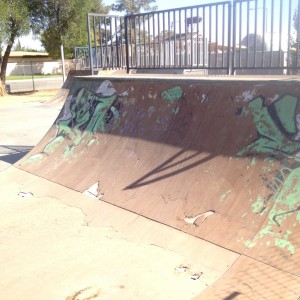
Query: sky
[(28, 41), (168, 4)]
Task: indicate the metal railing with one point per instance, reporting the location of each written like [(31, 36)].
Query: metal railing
[(265, 36), (182, 38), (106, 41), (230, 37), (82, 58)]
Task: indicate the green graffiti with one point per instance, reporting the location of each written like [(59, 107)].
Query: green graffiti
[(172, 95), (85, 114), (150, 111), (285, 110), (253, 162), (258, 205), (175, 110), (285, 244), (225, 195), (273, 138), (286, 205), (276, 125)]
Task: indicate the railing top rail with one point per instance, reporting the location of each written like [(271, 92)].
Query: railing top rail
[(104, 15), (181, 8)]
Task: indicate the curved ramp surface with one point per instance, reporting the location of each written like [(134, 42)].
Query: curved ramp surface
[(216, 159)]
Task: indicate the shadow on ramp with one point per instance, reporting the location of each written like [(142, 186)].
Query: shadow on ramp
[(218, 160)]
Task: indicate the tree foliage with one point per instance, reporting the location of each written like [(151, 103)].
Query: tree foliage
[(14, 22), (254, 42), (63, 22), (55, 21), (134, 6)]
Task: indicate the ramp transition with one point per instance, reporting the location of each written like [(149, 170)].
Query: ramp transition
[(216, 159)]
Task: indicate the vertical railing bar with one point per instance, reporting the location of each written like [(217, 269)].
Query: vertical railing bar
[(298, 36), (139, 42), (263, 34), (272, 32), (175, 40), (197, 38), (154, 42), (90, 44), (164, 41), (248, 25), (144, 39), (229, 68), (123, 40), (135, 41), (280, 31), (192, 38), (132, 23), (169, 38), (185, 40), (106, 46), (203, 37), (117, 44), (233, 38), (180, 42), (209, 29), (149, 43), (240, 34), (95, 41), (217, 25), (126, 44), (223, 33), (289, 36), (111, 65), (255, 32), (159, 46)]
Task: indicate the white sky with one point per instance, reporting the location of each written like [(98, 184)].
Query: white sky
[(168, 4), (28, 41)]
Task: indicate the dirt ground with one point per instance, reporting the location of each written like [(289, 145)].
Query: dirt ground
[(36, 96)]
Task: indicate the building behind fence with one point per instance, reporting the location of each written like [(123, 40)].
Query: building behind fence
[(229, 37)]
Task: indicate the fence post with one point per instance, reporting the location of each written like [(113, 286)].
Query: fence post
[(90, 44), (33, 86), (126, 44)]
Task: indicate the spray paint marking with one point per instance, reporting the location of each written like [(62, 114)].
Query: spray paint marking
[(277, 136)]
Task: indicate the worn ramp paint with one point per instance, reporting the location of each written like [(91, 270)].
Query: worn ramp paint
[(219, 160)]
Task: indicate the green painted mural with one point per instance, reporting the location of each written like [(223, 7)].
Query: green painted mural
[(86, 113), (277, 138)]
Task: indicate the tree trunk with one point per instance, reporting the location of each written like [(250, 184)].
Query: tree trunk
[(2, 90), (5, 57)]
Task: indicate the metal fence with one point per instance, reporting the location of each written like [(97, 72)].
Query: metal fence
[(81, 58), (230, 37), (106, 41), (265, 36), (179, 38)]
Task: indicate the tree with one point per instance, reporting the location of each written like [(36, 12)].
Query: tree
[(14, 22), (133, 6), (63, 22), (135, 33), (254, 42)]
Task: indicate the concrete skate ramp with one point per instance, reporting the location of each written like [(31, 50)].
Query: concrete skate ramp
[(217, 159)]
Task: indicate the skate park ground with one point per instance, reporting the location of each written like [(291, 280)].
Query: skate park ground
[(57, 243), (24, 119)]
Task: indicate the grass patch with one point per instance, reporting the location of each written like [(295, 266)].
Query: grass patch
[(20, 77)]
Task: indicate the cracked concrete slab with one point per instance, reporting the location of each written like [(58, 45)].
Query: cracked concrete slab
[(59, 242)]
